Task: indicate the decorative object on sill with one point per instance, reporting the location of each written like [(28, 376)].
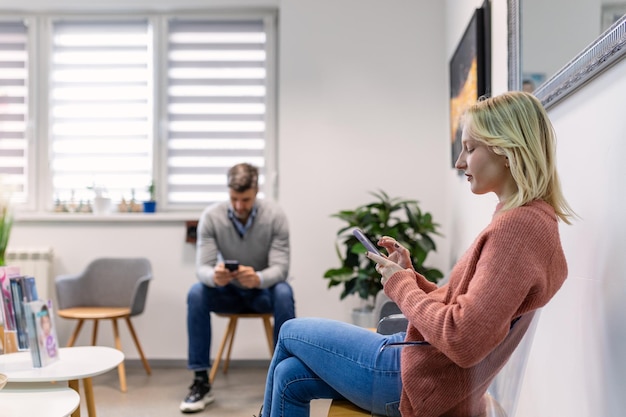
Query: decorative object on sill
[(150, 205), (401, 219), (71, 205), (134, 206), (131, 206), (85, 207), (122, 207), (59, 207), (101, 202), (101, 205)]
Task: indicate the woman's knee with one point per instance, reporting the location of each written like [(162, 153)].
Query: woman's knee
[(294, 326), (295, 383), (290, 376)]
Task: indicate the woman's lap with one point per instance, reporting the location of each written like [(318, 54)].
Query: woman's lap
[(334, 360)]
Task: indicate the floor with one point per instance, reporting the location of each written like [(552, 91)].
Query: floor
[(238, 393)]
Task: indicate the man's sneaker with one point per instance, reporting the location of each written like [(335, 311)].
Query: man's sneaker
[(198, 398)]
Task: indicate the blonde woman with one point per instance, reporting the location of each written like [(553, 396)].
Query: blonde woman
[(515, 266)]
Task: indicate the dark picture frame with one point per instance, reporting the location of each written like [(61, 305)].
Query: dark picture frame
[(470, 72)]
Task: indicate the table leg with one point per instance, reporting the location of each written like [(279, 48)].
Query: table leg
[(73, 384), (91, 405)]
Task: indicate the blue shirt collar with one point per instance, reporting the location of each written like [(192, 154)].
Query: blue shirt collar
[(241, 228)]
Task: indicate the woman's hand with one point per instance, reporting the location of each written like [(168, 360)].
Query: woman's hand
[(386, 267), (397, 253)]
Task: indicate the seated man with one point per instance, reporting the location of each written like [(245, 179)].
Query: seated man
[(255, 234)]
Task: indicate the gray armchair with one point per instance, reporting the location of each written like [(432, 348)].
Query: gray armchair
[(108, 289)]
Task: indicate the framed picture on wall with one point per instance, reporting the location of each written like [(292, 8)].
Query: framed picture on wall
[(470, 76)]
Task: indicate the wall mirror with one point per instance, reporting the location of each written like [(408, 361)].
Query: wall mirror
[(557, 56)]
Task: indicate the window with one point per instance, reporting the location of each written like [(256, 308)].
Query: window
[(100, 108), (14, 108), (125, 100), (216, 104)]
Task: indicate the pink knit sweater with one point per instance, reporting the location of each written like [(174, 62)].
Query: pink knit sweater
[(514, 266)]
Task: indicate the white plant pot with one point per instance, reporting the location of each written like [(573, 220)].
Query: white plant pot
[(101, 205), (364, 317)]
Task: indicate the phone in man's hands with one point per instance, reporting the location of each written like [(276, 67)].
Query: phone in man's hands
[(231, 265), (358, 233)]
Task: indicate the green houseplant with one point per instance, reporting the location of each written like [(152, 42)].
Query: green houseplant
[(399, 218), (6, 221)]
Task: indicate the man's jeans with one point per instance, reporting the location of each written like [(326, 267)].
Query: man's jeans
[(202, 300)]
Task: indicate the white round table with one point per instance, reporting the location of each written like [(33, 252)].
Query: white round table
[(38, 399), (75, 363)]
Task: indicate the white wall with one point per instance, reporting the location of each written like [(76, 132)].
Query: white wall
[(578, 365), (362, 107)]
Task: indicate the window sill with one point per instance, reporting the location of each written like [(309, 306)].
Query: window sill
[(113, 217)]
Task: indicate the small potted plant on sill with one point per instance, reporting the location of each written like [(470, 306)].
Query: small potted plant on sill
[(101, 201), (150, 205), (399, 218)]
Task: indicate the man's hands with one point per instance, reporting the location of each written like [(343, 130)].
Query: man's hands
[(246, 275)]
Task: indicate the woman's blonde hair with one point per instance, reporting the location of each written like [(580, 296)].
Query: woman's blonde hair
[(516, 125)]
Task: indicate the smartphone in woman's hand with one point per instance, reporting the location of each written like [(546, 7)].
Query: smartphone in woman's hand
[(365, 241)]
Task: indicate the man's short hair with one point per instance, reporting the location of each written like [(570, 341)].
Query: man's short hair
[(243, 177)]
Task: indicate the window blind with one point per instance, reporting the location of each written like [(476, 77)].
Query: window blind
[(216, 105), (101, 81), (14, 108)]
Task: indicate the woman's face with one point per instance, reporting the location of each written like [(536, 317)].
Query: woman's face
[(485, 170)]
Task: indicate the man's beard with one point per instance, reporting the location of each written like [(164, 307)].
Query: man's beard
[(242, 215)]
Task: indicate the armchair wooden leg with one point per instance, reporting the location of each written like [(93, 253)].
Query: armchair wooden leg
[(74, 336), (146, 365), (121, 369)]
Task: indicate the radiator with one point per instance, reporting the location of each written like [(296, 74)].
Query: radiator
[(35, 262)]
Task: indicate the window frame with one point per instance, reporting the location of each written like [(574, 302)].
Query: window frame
[(40, 187)]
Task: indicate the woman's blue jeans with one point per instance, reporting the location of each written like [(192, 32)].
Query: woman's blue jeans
[(202, 300), (319, 358)]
